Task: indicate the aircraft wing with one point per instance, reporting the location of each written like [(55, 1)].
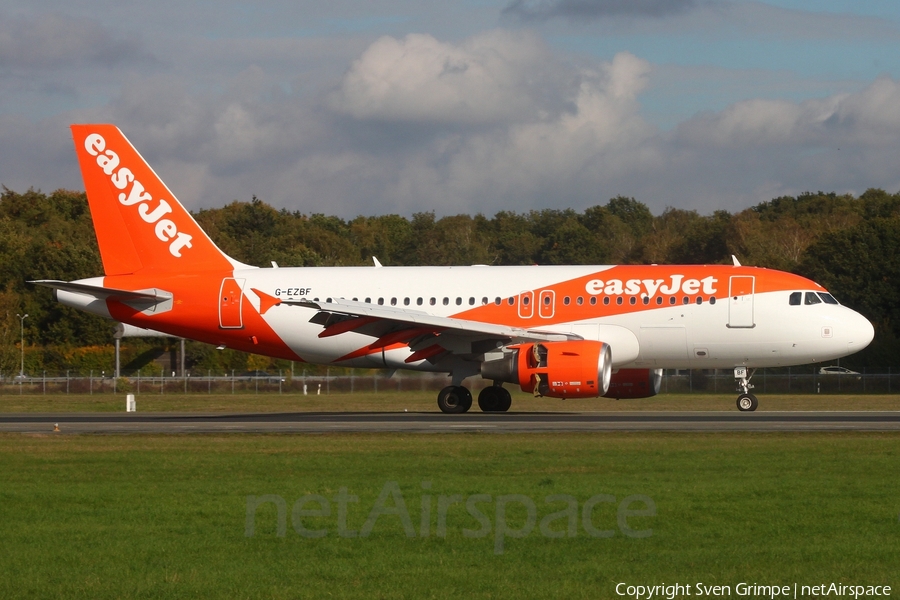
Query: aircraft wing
[(428, 336)]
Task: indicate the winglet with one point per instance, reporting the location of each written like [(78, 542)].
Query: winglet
[(375, 260)]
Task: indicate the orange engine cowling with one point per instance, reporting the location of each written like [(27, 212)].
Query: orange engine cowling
[(571, 369), (634, 383)]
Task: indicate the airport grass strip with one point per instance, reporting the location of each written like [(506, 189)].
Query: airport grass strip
[(167, 516)]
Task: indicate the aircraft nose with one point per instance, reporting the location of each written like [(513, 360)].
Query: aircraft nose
[(861, 332)]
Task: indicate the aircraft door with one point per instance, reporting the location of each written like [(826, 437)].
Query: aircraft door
[(547, 305), (740, 301), (526, 305), (230, 301)]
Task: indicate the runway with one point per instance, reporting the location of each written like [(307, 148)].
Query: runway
[(420, 422)]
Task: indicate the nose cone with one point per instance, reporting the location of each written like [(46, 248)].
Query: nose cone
[(861, 332)]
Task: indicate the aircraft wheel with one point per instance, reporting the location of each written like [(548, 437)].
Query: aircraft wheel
[(454, 399), (747, 402), (494, 399)]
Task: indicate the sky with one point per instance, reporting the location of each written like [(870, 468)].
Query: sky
[(475, 106)]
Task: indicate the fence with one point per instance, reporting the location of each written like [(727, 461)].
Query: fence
[(805, 380), (263, 383)]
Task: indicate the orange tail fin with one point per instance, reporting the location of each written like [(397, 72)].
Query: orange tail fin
[(139, 223)]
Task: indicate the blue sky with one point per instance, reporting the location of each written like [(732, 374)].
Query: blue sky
[(395, 106)]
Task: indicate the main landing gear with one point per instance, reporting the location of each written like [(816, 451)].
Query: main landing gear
[(455, 399), (494, 398), (746, 402)]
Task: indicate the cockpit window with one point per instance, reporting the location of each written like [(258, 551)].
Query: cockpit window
[(812, 298), (827, 298), (795, 298)]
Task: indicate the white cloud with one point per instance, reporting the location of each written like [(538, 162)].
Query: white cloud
[(498, 76), (871, 116)]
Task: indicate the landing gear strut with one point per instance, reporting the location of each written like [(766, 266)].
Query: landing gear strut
[(454, 399), (494, 398), (746, 401)]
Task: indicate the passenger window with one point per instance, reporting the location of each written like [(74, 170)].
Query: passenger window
[(497, 300), (606, 300), (380, 301), (406, 302), (685, 300), (594, 300), (579, 301), (699, 299), (619, 300), (812, 298), (458, 301), (546, 301), (659, 300), (446, 301), (646, 300), (672, 300), (484, 301), (471, 301), (712, 300), (511, 300), (827, 298), (566, 300), (432, 301), (632, 300), (419, 301), (525, 300), (795, 298), (393, 302)]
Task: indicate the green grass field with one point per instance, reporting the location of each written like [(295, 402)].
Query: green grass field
[(111, 516), (423, 401)]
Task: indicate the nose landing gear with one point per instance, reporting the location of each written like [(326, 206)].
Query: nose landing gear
[(746, 402)]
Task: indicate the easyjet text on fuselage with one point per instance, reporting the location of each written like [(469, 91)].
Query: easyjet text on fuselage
[(676, 284)]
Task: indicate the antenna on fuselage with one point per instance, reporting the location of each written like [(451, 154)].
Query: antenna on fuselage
[(736, 262)]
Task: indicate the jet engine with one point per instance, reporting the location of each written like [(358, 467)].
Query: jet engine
[(571, 369), (634, 383)]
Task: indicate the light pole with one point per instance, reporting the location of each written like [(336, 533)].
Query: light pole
[(22, 330)]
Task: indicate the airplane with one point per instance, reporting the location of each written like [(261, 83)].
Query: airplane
[(555, 331)]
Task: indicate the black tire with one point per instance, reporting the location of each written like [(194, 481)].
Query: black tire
[(489, 399), (494, 399), (454, 399), (505, 399), (747, 403)]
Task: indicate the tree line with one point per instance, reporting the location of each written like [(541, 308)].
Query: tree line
[(849, 244)]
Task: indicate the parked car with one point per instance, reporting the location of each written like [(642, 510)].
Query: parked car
[(834, 370)]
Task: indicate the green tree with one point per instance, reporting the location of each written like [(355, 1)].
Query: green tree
[(861, 267)]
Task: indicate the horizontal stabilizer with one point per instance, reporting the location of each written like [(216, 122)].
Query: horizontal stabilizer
[(104, 293)]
